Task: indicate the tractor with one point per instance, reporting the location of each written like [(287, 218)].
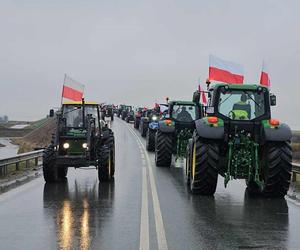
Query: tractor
[(121, 107), (137, 117), (108, 111), (126, 109), (81, 139), (159, 111), (238, 139), (144, 122), (174, 131)]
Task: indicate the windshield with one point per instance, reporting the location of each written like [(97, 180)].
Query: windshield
[(184, 113), (241, 104), (73, 115)]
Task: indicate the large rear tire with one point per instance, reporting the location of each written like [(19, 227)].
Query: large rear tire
[(277, 169), (150, 140), (49, 168), (203, 170), (163, 149)]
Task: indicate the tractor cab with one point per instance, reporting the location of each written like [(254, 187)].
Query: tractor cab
[(183, 113), (75, 124), (241, 108)]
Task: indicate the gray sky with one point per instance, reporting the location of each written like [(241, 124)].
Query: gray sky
[(139, 52)]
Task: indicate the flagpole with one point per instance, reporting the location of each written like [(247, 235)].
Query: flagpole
[(62, 92)]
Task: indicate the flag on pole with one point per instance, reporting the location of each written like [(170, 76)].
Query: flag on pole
[(72, 90), (225, 71), (264, 76), (203, 96)]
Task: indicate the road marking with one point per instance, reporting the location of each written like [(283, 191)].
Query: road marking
[(144, 227), (159, 224)]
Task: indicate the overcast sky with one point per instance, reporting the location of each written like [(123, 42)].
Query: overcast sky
[(139, 52)]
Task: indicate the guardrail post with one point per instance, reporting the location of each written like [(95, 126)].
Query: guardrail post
[(27, 164), (36, 161), (17, 166)]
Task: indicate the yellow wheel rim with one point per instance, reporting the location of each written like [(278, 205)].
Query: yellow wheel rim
[(194, 161)]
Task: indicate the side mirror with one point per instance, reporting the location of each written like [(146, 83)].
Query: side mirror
[(273, 100), (196, 97), (51, 113)]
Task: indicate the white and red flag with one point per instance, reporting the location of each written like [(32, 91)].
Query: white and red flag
[(203, 96), (72, 90), (225, 71), (264, 76)]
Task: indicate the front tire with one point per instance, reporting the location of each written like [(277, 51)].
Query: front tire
[(106, 164), (277, 169), (204, 167), (49, 168), (150, 140), (163, 149)]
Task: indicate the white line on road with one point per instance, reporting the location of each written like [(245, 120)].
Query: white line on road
[(144, 227), (159, 224)]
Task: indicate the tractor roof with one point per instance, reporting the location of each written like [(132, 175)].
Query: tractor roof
[(183, 102), (238, 86), (80, 102)]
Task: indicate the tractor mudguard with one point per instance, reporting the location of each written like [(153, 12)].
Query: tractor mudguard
[(165, 128), (206, 131), (282, 133)]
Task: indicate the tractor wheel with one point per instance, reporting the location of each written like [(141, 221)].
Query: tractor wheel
[(203, 167), (106, 164), (150, 140), (163, 149), (49, 168), (136, 124), (144, 129), (277, 169), (62, 172)]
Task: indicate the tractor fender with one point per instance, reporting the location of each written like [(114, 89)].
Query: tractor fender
[(165, 128), (282, 133), (206, 131)]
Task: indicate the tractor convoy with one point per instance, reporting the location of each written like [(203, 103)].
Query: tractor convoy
[(233, 136)]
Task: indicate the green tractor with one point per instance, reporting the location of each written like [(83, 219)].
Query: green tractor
[(174, 131), (82, 139), (239, 140)]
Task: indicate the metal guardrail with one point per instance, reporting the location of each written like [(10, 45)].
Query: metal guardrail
[(16, 160)]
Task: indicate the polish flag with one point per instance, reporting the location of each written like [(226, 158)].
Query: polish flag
[(225, 71), (264, 77), (203, 96), (72, 90)]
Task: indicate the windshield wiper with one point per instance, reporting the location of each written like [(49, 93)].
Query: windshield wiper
[(225, 99), (252, 98), (72, 110)]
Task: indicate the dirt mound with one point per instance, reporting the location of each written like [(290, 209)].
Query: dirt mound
[(38, 138)]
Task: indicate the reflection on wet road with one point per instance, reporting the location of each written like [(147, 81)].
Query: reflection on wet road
[(80, 213)]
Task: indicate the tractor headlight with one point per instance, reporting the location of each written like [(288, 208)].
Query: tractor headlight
[(84, 145), (154, 118), (66, 145)]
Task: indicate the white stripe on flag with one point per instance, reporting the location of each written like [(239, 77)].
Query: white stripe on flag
[(219, 63)]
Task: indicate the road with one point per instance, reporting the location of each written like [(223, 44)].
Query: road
[(144, 208)]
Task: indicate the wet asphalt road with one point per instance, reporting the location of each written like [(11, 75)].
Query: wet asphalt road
[(145, 206)]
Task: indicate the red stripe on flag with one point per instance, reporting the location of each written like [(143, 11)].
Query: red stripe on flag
[(220, 75), (264, 79), (71, 94)]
